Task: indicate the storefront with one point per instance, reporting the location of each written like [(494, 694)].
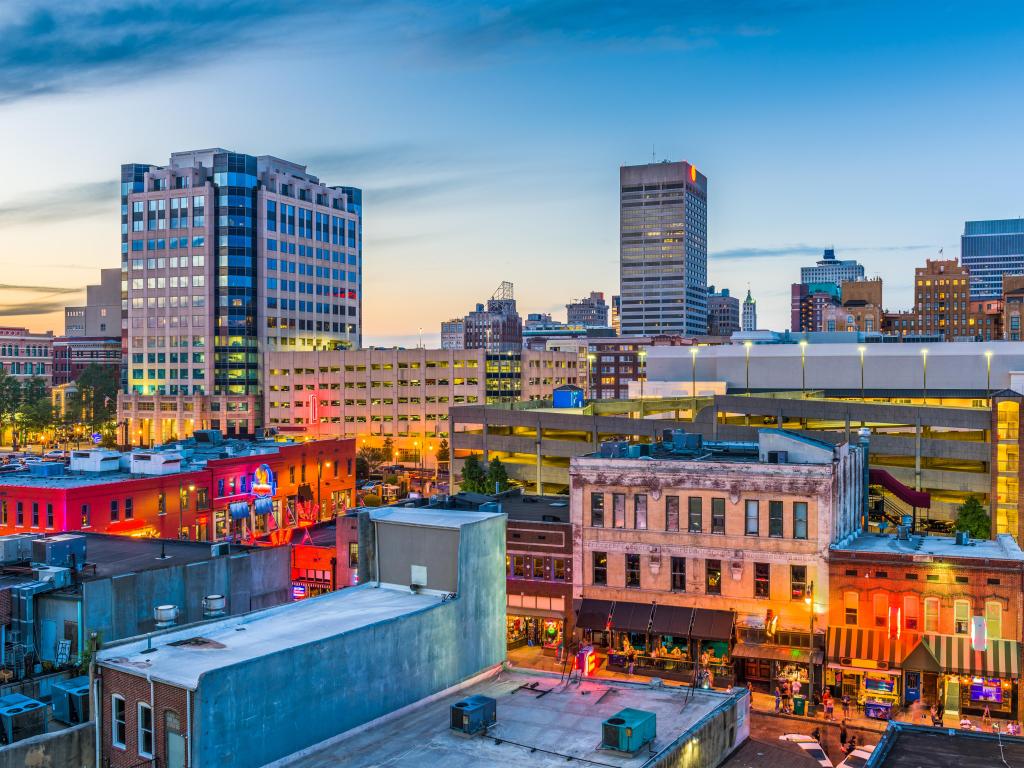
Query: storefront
[(593, 620), (545, 632), (965, 680), (768, 665), (864, 665)]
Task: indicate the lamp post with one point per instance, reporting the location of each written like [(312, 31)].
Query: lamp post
[(988, 376), (803, 367), (642, 375), (809, 600), (924, 376), (320, 464), (862, 350), (693, 382), (748, 345)]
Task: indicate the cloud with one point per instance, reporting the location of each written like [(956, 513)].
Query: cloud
[(41, 307), (372, 159), (741, 254), (74, 201), (38, 289)]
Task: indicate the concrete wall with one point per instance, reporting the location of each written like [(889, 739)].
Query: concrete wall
[(317, 690), (436, 549), (710, 741), (73, 747)]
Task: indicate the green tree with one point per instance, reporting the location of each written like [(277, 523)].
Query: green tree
[(96, 401), (371, 500), (972, 517), (35, 413), (372, 459), (10, 398), (474, 480), (443, 452), (389, 450), (497, 476)]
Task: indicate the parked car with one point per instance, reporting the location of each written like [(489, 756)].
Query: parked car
[(56, 455)]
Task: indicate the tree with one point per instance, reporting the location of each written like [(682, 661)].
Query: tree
[(96, 401), (389, 450), (443, 452), (497, 476), (362, 468), (35, 413), (371, 500), (372, 457), (972, 517), (473, 478), (10, 398)]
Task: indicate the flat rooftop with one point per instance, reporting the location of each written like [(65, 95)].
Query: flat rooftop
[(905, 746), (1003, 547), (113, 555), (181, 658), (561, 727), (428, 516)]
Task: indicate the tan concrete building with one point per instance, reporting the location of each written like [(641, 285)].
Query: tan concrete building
[(676, 542)]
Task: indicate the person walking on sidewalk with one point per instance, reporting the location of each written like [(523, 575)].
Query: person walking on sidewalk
[(842, 733), (778, 699), (829, 707), (846, 705)]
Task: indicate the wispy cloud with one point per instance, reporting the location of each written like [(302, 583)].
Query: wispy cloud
[(38, 289), (782, 251), (70, 202), (27, 308)]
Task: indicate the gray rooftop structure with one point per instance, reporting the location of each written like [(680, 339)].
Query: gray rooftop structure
[(1003, 547)]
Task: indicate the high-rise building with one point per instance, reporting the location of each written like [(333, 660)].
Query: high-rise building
[(723, 313), (749, 321), (590, 311), (663, 251), (809, 305), (942, 299), (616, 314), (989, 250), (225, 256), (829, 269), (101, 314), (496, 326)]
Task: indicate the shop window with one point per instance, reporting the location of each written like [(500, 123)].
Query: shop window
[(145, 730), (129, 509), (752, 527), (851, 602), (519, 566), (559, 572), (671, 513), (597, 509), (910, 613), (775, 519), (35, 514), (931, 614), (85, 516), (640, 511), (695, 515), (618, 510), (353, 554), (713, 577), (718, 515), (632, 570), (49, 515), (762, 579), (880, 604), (797, 581), (961, 617), (799, 519), (120, 733), (678, 574), (600, 575), (994, 619)]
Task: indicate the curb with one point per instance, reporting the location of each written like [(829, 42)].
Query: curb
[(818, 721)]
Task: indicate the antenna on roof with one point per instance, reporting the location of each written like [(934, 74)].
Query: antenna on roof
[(653, 156)]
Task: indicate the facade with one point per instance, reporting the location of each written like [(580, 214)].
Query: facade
[(453, 334), (26, 355), (225, 255), (496, 326), (926, 619), (101, 315), (171, 704), (616, 314), (812, 305), (727, 541), (989, 250), (402, 394), (663, 250), (615, 362), (985, 320), (829, 269), (73, 354), (589, 312), (862, 301), (749, 319), (723, 313), (942, 299), (1013, 306)]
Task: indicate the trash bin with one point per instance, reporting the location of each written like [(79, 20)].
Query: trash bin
[(812, 709), (799, 705)]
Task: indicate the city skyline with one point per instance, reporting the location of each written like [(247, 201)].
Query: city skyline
[(460, 112)]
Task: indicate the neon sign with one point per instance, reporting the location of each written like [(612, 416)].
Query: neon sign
[(263, 484)]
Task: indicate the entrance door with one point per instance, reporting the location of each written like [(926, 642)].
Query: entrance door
[(174, 741), (911, 687), (47, 640)]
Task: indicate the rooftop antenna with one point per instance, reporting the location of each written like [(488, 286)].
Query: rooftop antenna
[(653, 157)]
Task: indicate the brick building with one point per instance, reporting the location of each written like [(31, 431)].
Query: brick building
[(26, 355)]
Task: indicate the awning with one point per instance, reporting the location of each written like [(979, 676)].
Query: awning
[(305, 493), (632, 617), (712, 625), (867, 648), (783, 653), (239, 510), (263, 506), (922, 659), (672, 620), (953, 654), (593, 614)]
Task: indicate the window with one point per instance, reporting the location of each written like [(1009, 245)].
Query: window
[(600, 568), (713, 577), (538, 568), (129, 509), (752, 521), (695, 514), (850, 605), (931, 614), (640, 511), (353, 554), (632, 570), (119, 732), (797, 581), (718, 515), (559, 572), (910, 612), (597, 509), (993, 619), (618, 510), (678, 574), (49, 515), (880, 608), (145, 730), (3, 512), (671, 513), (961, 617), (799, 519), (775, 519), (20, 514), (519, 566), (114, 513), (35, 514)]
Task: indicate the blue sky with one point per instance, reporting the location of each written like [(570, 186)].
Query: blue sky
[(488, 137)]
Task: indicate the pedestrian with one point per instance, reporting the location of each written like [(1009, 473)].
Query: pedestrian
[(829, 709), (631, 658), (846, 705), (986, 716), (842, 732), (778, 699), (816, 735)]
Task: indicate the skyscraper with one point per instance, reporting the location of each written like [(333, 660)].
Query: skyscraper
[(829, 269), (590, 311), (749, 313), (991, 249), (226, 256), (663, 251)]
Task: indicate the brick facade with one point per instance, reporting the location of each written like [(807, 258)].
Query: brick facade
[(135, 689)]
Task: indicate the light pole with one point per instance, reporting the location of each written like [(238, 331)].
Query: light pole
[(988, 376), (693, 382), (809, 600), (862, 350), (748, 345), (924, 376), (591, 359), (642, 375), (803, 367)]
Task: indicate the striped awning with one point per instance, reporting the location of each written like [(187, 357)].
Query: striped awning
[(954, 655), (867, 648)]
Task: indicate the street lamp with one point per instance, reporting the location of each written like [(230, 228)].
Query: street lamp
[(809, 600), (862, 350), (591, 359), (320, 464), (924, 376), (988, 375), (748, 345), (693, 382), (803, 366)]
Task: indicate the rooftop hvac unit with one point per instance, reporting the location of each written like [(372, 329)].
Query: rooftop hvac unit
[(963, 538), (639, 449), (16, 548), (70, 700), (474, 714), (63, 550), (57, 578), (21, 717), (629, 730)]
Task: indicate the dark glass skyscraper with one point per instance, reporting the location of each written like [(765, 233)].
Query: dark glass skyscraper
[(991, 249)]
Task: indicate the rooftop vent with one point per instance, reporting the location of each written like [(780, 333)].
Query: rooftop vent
[(474, 714), (165, 615), (213, 605), (629, 730)]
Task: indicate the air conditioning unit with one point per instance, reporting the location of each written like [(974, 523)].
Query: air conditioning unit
[(473, 714), (58, 577), (16, 548), (20, 718), (64, 550), (629, 730), (70, 700)]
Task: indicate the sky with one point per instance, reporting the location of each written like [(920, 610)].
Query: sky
[(488, 137)]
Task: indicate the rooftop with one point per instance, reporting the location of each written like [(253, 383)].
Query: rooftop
[(182, 657), (909, 746), (114, 555), (549, 726), (1003, 547)]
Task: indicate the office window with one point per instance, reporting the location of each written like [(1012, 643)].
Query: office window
[(910, 612), (797, 582), (145, 730), (752, 518), (119, 732), (762, 580), (640, 511), (931, 614), (597, 509), (961, 617), (713, 577), (695, 514), (993, 619), (129, 508), (671, 513), (718, 515), (880, 604), (851, 601), (678, 574), (632, 570), (114, 511), (618, 510), (799, 519), (600, 575), (775, 519)]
